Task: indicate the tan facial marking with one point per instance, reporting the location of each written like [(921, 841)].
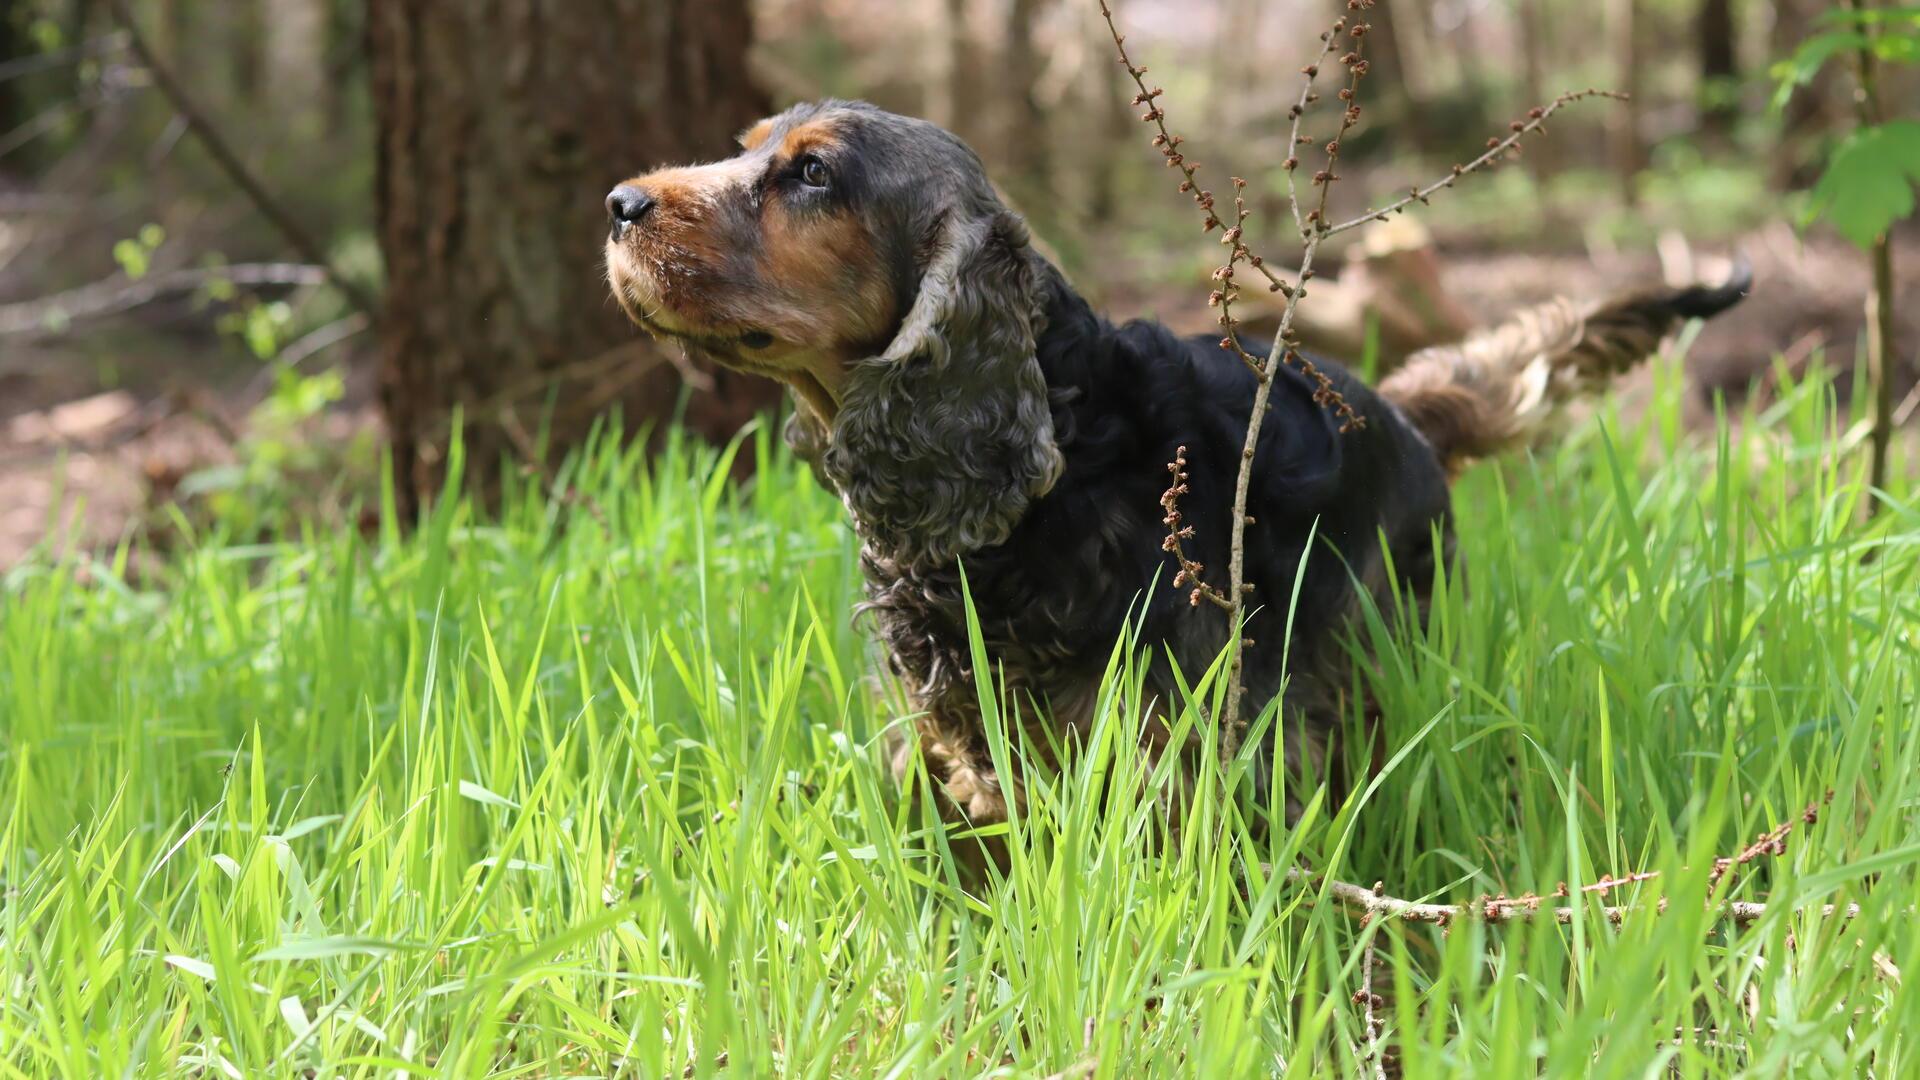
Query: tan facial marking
[(751, 138), (827, 265), (812, 136)]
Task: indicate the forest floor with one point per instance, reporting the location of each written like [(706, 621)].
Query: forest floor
[(96, 442)]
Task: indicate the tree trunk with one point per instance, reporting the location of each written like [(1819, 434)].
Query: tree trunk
[(346, 63), (1536, 54), (1808, 118), (13, 46), (1025, 120), (1114, 125), (1881, 354), (245, 24), (295, 51), (1629, 157), (962, 72), (501, 127), (1719, 67), (941, 94)]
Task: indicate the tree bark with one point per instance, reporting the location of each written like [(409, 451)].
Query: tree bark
[(501, 126)]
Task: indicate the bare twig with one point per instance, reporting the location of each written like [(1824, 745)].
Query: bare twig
[(1369, 1002), (121, 293), (1374, 903), (1232, 235), (1496, 148), (1177, 532), (1314, 228), (1283, 350), (1770, 843), (41, 61), (1496, 910), (1907, 407), (325, 337), (1169, 146), (305, 347), (47, 120), (236, 170)]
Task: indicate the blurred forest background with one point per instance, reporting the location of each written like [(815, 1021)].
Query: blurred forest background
[(424, 230)]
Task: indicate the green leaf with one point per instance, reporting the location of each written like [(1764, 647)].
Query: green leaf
[(261, 332), (481, 795), (1900, 48), (307, 825), (1869, 182), (1799, 69), (1870, 16), (132, 258), (296, 947)]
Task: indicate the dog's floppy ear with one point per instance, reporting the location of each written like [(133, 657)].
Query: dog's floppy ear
[(943, 439)]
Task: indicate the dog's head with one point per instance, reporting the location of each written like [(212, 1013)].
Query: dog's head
[(864, 259)]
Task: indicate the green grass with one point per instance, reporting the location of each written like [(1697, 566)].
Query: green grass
[(598, 788)]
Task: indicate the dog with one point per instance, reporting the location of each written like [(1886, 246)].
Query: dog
[(972, 411)]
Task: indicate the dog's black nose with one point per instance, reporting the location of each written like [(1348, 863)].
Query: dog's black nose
[(627, 204)]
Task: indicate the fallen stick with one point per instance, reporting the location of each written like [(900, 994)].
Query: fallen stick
[(1375, 903)]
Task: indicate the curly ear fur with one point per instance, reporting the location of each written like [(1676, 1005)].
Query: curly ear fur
[(944, 439)]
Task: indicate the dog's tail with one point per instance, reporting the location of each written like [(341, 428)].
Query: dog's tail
[(1499, 388)]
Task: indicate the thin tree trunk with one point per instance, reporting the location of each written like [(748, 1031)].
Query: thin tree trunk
[(172, 29), (1880, 329), (1542, 154), (1628, 155), (938, 94), (1228, 75), (346, 62), (958, 70), (500, 129), (247, 37), (1880, 360), (13, 46), (1719, 66), (296, 57), (1025, 121), (1413, 44), (1805, 121), (1117, 124)]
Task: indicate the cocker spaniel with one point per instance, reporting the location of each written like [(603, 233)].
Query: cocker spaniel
[(971, 409)]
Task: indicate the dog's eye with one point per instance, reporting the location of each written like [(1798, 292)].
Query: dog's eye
[(813, 172)]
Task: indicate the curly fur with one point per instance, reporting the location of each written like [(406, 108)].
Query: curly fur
[(943, 440)]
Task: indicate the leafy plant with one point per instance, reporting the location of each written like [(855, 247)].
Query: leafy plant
[(1869, 180), (1870, 176)]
